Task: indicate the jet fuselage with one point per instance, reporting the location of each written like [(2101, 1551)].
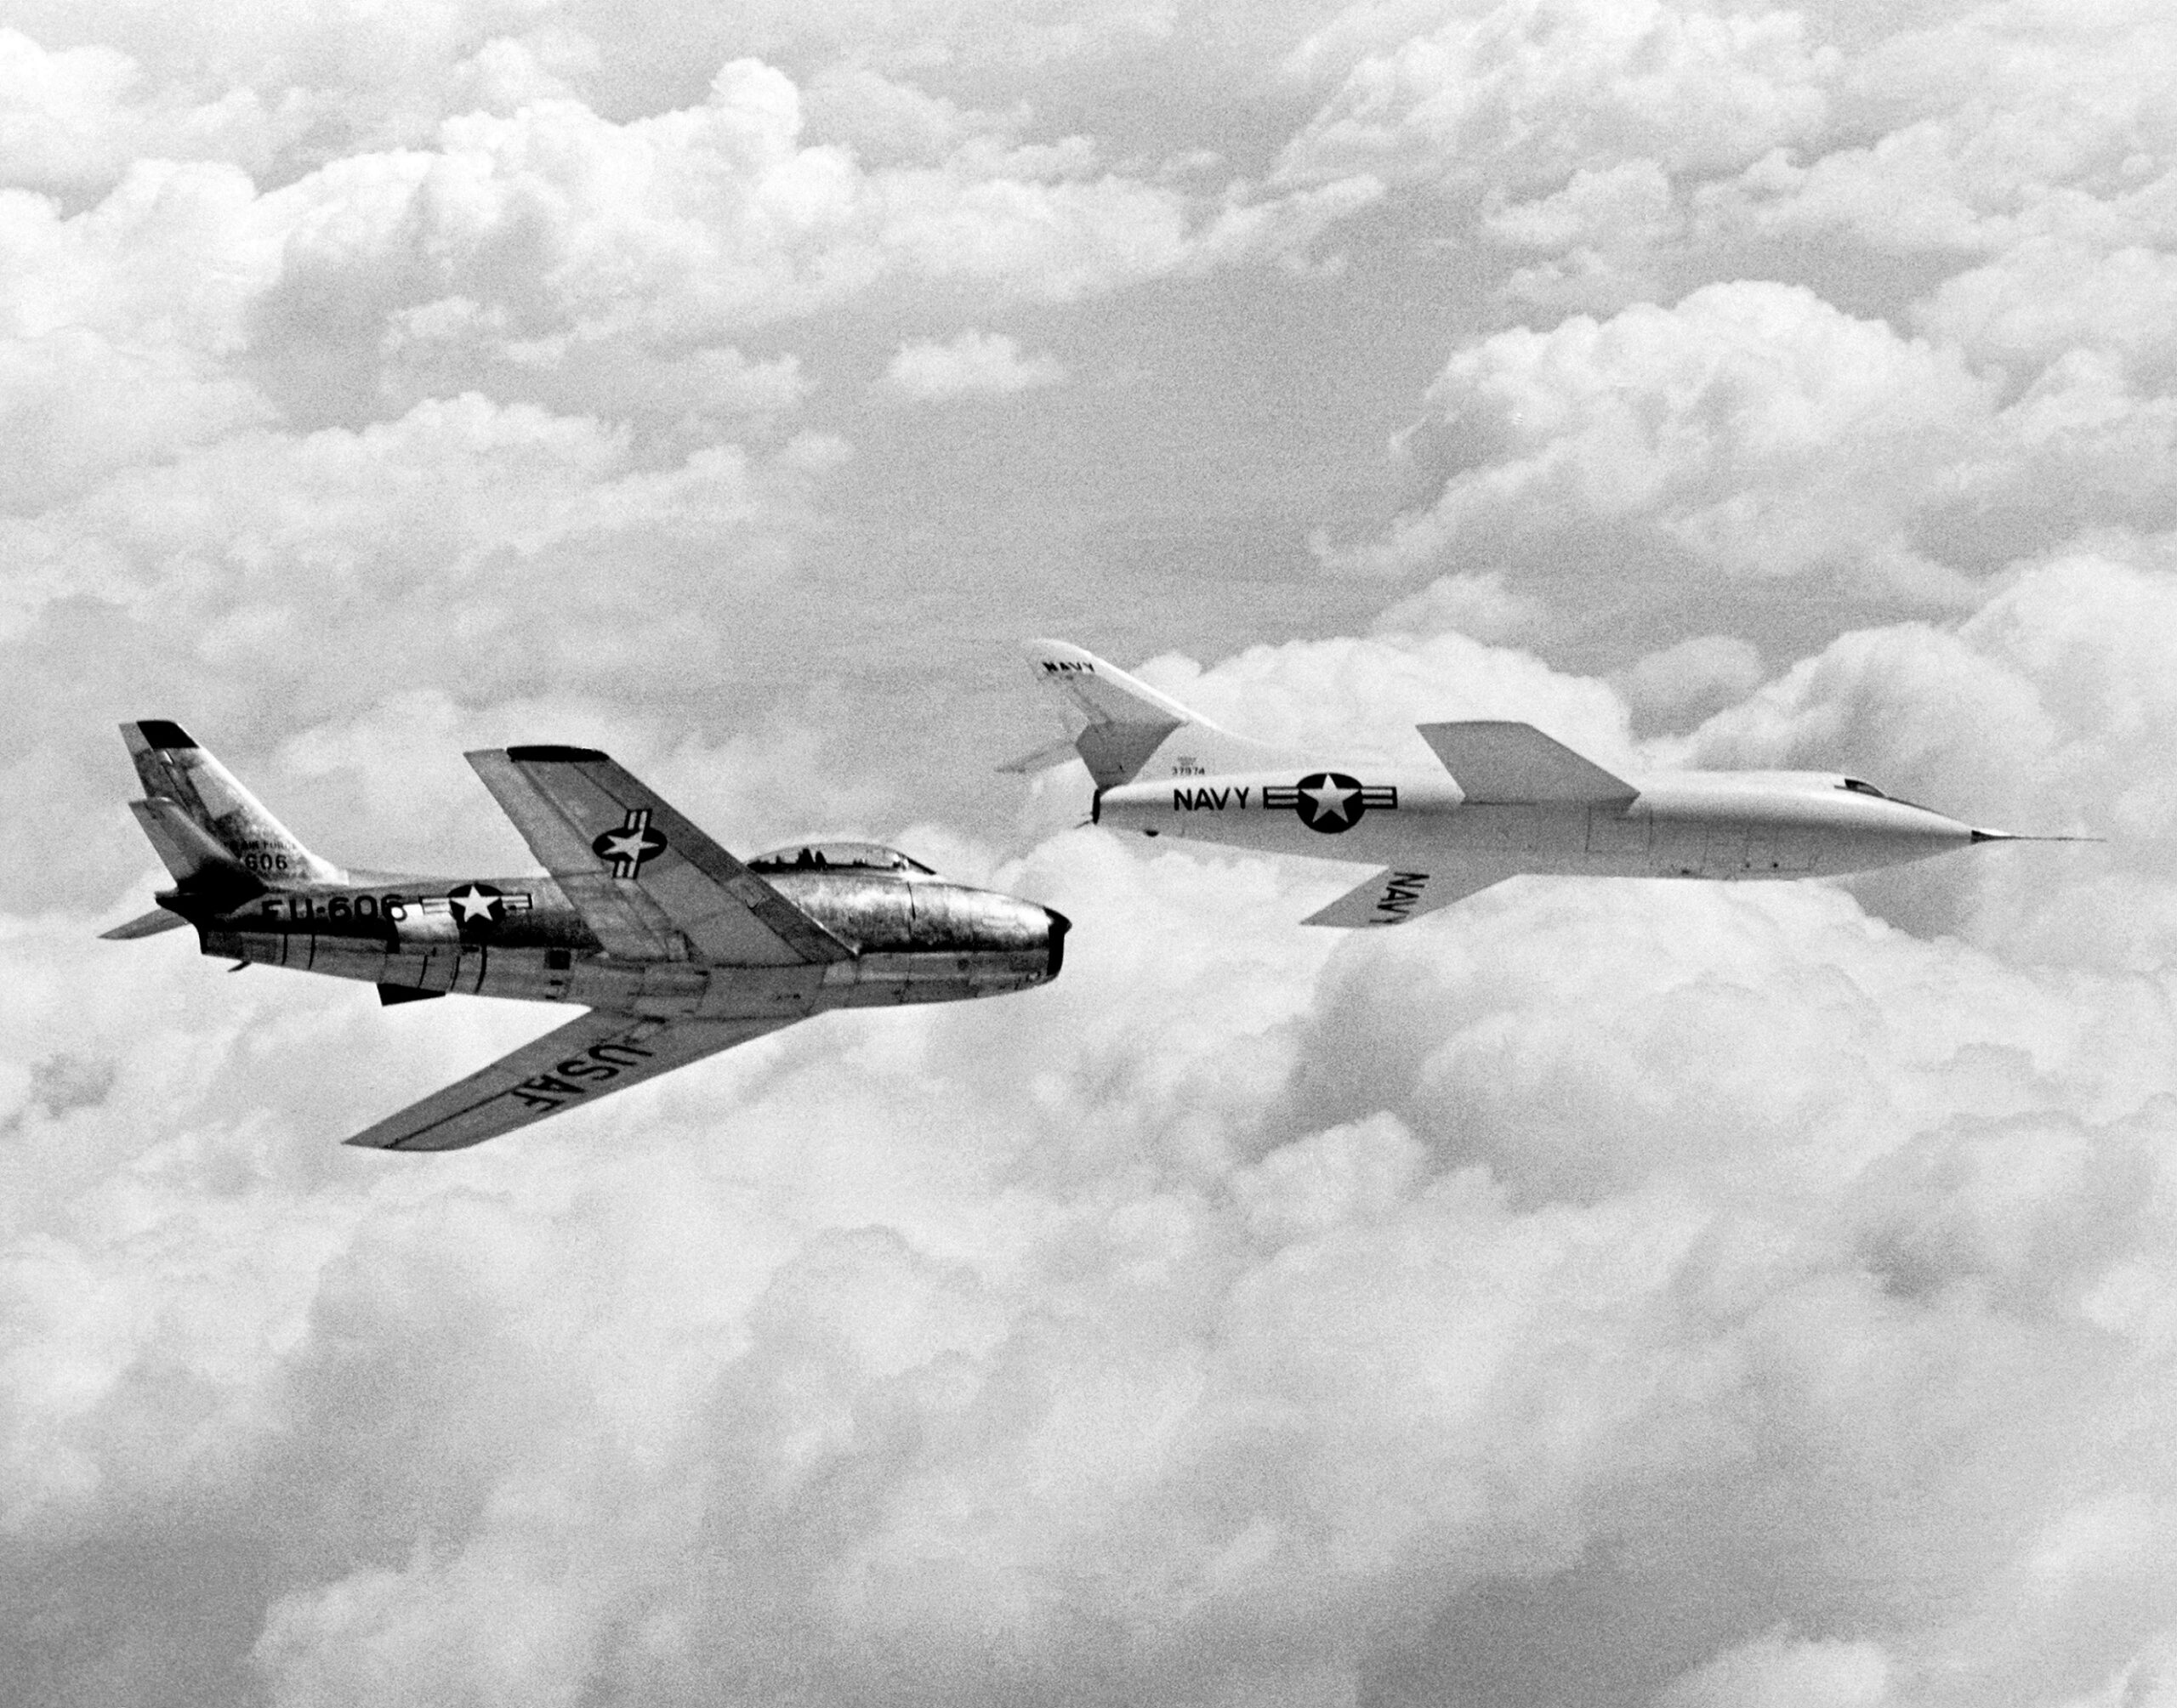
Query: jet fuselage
[(919, 938), (671, 948), (1733, 824)]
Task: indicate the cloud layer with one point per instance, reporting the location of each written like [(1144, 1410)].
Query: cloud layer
[(1602, 1294)]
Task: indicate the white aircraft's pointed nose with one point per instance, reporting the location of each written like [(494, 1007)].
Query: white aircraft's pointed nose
[(2021, 836)]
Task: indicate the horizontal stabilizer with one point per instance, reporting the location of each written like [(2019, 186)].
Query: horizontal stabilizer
[(1494, 762), (1392, 897), (145, 925), (1058, 752)]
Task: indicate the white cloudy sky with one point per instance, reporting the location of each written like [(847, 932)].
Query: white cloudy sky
[(1605, 1294)]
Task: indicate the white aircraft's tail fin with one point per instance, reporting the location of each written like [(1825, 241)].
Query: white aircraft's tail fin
[(1492, 761), (198, 813), (1120, 723)]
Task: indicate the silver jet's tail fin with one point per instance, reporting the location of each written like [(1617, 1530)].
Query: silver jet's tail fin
[(200, 817), (1119, 722)]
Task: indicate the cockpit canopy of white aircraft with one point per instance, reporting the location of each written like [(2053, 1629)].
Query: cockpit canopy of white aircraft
[(837, 857), (1858, 787)]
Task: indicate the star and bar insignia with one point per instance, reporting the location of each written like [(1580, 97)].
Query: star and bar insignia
[(1330, 801), (480, 904), (629, 846)]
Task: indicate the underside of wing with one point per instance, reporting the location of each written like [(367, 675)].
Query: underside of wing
[(1392, 897), (589, 1057), (638, 870), (1500, 762)]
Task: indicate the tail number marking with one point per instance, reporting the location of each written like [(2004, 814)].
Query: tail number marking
[(565, 1081)]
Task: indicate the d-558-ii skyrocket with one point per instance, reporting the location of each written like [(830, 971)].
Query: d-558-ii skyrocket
[(1504, 799), (675, 949)]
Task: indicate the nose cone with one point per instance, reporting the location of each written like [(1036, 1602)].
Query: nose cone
[(1950, 832), (1054, 933), (1936, 834)]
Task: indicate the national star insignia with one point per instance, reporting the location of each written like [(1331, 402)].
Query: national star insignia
[(473, 902), (1330, 800)]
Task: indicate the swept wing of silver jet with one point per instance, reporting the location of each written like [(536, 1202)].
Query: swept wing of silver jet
[(1505, 799), (675, 949)]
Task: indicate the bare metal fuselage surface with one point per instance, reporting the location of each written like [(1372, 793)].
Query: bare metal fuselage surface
[(917, 940), (671, 948)]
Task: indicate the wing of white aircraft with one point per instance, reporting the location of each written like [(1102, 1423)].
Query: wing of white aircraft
[(1503, 762), (587, 1058), (638, 870), (1391, 897)]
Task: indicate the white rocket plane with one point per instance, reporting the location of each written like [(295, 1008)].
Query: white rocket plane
[(1506, 800)]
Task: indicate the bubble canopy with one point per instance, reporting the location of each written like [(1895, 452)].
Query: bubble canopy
[(837, 857)]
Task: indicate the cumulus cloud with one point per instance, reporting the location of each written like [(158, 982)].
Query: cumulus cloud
[(1600, 1292), (1756, 430), (1355, 694), (552, 240), (494, 552), (1824, 146), (1780, 1674), (77, 118), (1297, 1290), (1704, 673), (2002, 123), (2070, 732), (987, 363), (2046, 299), (1751, 426), (1481, 605), (1531, 91), (1228, 1320)]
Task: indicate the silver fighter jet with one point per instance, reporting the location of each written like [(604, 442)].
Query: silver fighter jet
[(674, 948), (1505, 800)]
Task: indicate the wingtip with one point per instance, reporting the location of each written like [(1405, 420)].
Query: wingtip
[(1044, 653), (163, 734), (553, 753), (1059, 752)]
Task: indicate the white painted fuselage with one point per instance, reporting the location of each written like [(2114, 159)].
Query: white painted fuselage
[(1733, 824)]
